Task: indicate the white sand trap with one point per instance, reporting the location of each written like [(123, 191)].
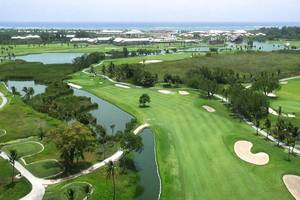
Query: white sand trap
[(271, 95), (292, 182), (273, 112), (165, 91), (150, 61), (122, 86), (283, 82), (74, 86), (209, 109), (242, 149), (183, 93)]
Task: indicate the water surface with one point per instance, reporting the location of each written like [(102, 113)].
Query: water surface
[(50, 58)]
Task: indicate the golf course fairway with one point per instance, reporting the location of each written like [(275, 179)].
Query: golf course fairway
[(195, 148)]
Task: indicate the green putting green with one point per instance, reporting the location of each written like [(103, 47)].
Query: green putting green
[(195, 147), (24, 148)]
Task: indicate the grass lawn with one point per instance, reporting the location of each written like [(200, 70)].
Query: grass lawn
[(11, 191), (195, 148), (126, 186), (24, 148), (62, 191), (51, 48), (20, 120), (289, 100), (138, 59), (45, 168), (244, 62), (19, 70)]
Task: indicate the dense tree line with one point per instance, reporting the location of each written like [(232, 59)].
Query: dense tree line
[(133, 73), (56, 102), (86, 60), (249, 103), (290, 33)]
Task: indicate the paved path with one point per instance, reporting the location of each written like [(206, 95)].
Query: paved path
[(38, 190), (262, 132), (115, 157)]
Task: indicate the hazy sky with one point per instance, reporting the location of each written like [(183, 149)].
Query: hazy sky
[(151, 10)]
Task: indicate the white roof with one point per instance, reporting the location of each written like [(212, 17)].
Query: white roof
[(25, 37), (132, 40), (112, 31), (134, 32)]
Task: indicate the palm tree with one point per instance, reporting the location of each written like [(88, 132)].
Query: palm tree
[(110, 174), (112, 127), (13, 156), (70, 194), (268, 125)]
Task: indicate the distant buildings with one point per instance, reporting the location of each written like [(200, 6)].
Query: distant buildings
[(28, 37)]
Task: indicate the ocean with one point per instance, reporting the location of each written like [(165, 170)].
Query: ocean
[(147, 25)]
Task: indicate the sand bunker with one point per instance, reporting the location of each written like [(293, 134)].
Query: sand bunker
[(292, 183), (122, 86), (273, 112), (184, 93), (271, 95), (209, 109), (283, 82), (165, 91), (150, 61), (242, 149), (74, 86)]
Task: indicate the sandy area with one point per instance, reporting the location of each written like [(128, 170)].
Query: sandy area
[(165, 91), (273, 112), (150, 61), (271, 95), (183, 93), (208, 108), (242, 149), (283, 82), (292, 182), (74, 86), (122, 86)]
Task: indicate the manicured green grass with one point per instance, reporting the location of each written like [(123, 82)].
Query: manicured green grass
[(35, 71), (126, 186), (289, 100), (11, 191), (20, 120), (195, 148), (23, 148), (78, 187), (138, 59), (63, 48), (289, 97), (45, 168), (244, 62)]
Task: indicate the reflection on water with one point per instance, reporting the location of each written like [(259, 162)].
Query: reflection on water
[(106, 115), (19, 85), (50, 58)]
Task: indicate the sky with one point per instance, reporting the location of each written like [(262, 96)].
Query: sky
[(150, 10)]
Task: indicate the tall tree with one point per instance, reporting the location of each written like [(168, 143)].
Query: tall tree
[(268, 125), (13, 156), (72, 141), (110, 174)]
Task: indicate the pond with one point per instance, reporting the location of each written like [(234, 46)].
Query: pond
[(19, 85), (50, 58), (106, 115), (257, 46)]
